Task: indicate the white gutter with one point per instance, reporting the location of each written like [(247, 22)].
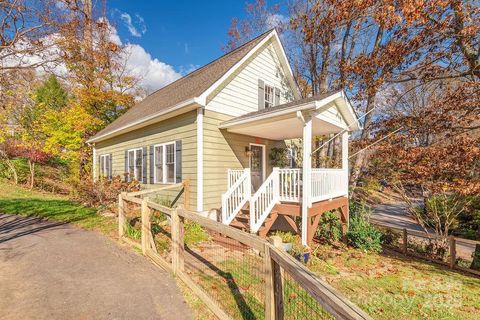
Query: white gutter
[(94, 163)]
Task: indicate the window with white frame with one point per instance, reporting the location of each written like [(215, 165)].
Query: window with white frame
[(269, 96), (135, 164), (165, 163), (105, 166)]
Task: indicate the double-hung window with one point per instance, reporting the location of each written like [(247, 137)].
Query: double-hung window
[(164, 163), (135, 164), (269, 96), (105, 166)]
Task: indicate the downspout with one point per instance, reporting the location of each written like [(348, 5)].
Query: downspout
[(94, 161)]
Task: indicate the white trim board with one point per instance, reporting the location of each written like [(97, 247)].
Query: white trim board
[(200, 112)]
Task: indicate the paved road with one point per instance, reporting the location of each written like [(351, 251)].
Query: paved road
[(56, 271), (394, 214)]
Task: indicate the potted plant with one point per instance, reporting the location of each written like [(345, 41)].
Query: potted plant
[(301, 253), (288, 239)]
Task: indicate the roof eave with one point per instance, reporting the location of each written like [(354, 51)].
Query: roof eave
[(145, 121)]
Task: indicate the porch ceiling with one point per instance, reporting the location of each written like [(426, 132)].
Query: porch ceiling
[(281, 128), (330, 114)]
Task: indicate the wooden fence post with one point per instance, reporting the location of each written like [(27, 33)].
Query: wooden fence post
[(277, 290), (121, 215), (405, 241), (181, 243), (453, 252), (145, 222), (186, 194), (269, 289), (177, 242)]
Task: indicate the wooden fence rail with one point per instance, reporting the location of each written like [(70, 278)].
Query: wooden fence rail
[(452, 246), (276, 262)]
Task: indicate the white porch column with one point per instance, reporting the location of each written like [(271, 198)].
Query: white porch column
[(345, 156), (345, 169), (307, 176), (200, 159)]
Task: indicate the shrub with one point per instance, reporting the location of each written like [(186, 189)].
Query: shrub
[(21, 167), (194, 233), (278, 157), (362, 234), (287, 237), (329, 228), (103, 192), (390, 237)]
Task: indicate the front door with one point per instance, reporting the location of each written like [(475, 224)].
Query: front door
[(257, 165)]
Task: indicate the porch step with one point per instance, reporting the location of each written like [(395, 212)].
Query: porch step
[(242, 221)]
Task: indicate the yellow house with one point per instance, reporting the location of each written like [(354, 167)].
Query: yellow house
[(216, 127)]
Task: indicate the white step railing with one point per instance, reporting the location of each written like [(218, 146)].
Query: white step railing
[(263, 201), (328, 184), (290, 185), (236, 196), (233, 175)]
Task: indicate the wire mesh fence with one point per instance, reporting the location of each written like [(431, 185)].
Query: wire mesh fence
[(132, 221), (230, 272), (298, 304), (161, 233)]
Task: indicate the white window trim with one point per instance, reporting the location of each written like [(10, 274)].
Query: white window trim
[(104, 158), (265, 84), (164, 163), (134, 166)]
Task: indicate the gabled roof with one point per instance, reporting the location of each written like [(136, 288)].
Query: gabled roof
[(309, 103), (181, 92)]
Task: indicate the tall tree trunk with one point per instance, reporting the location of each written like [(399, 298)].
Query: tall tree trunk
[(360, 159), (31, 166), (12, 168)]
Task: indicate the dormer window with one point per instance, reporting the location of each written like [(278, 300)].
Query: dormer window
[(269, 96)]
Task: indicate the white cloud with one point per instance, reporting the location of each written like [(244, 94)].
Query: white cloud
[(136, 29), (276, 21), (154, 74), (184, 70)]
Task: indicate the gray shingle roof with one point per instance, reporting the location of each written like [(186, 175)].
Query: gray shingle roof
[(185, 88)]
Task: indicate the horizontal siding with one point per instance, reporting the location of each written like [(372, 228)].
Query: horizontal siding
[(182, 127), (334, 115), (223, 151), (239, 94)]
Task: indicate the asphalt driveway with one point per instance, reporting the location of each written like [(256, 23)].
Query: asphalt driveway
[(51, 270)]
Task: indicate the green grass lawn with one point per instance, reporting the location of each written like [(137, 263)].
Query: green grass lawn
[(390, 286), (20, 201)]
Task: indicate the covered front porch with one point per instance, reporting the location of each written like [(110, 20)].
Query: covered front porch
[(304, 192)]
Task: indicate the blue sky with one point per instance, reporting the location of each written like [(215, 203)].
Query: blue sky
[(182, 34)]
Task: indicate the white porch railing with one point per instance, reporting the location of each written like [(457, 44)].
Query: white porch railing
[(233, 176), (281, 185), (290, 184), (263, 201), (236, 196), (328, 184)]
